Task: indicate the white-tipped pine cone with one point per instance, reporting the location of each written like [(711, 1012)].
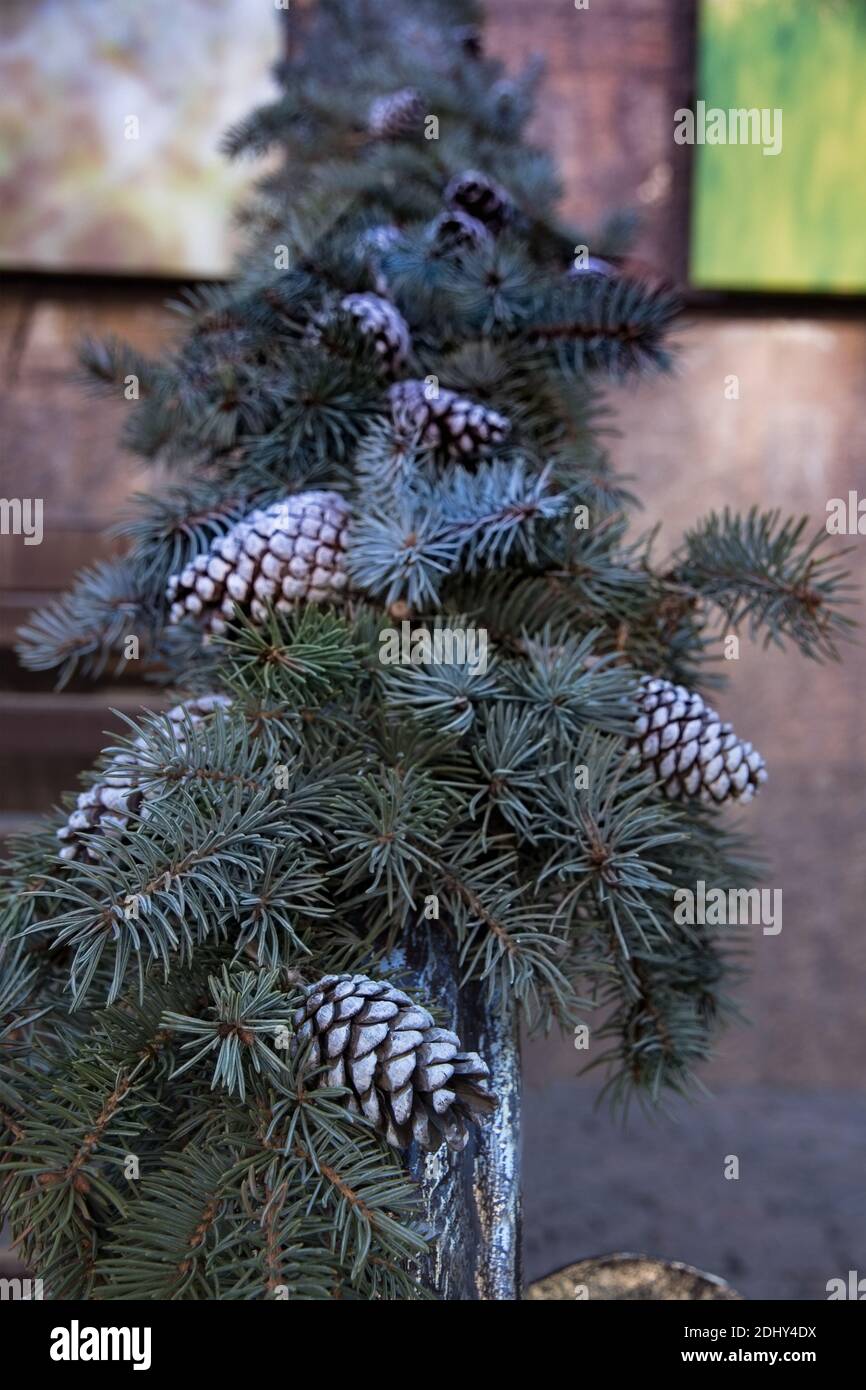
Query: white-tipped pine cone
[(690, 750), (105, 808), (397, 113), (447, 421), (372, 245), (470, 39), (291, 552), (455, 230), (424, 43), (405, 1075), (378, 319), (375, 241), (482, 197)]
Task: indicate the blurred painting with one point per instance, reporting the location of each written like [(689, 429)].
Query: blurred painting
[(111, 113), (779, 191)]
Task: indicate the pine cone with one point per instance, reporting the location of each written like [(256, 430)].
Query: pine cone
[(447, 421), (482, 197), (396, 114), (455, 230), (436, 48), (405, 1075), (291, 552), (378, 319), (374, 243), (378, 239), (469, 37), (106, 807), (690, 750)]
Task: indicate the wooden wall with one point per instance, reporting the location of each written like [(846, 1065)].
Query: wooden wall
[(616, 72), (59, 443), (794, 438)]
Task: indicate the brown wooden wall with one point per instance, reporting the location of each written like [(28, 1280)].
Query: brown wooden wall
[(616, 72), (59, 443), (794, 438)]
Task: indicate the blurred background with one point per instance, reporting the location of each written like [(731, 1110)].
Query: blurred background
[(102, 225)]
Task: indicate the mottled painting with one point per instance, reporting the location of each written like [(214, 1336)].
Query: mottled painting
[(779, 133), (111, 113)]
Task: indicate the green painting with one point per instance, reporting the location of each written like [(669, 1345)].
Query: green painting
[(779, 195)]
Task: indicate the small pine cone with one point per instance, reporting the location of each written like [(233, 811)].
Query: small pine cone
[(455, 230), (375, 241), (436, 48), (396, 114), (482, 197), (378, 319), (690, 750), (406, 1076), (289, 553), (450, 422), (372, 245), (469, 38), (106, 807)]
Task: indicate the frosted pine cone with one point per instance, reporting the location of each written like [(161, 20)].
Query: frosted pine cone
[(375, 241), (289, 553), (104, 809), (107, 807), (405, 1075), (424, 43), (456, 230), (398, 113), (690, 750), (372, 245), (482, 197), (468, 36), (447, 421), (378, 319)]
